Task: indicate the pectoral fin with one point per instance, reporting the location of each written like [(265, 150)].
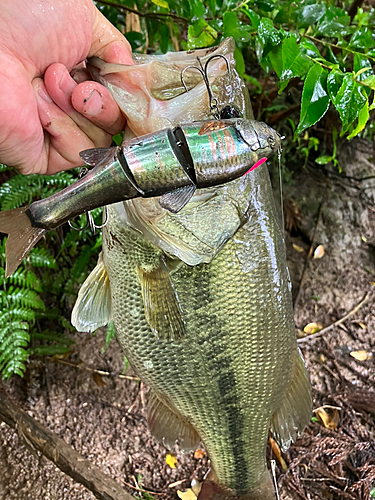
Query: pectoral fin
[(168, 425), (162, 309), (295, 413), (93, 305)]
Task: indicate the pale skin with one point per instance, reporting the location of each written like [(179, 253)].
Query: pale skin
[(47, 118)]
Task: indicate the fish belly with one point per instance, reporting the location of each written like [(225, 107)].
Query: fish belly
[(230, 372)]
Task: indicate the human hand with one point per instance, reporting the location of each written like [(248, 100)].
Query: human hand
[(47, 118)]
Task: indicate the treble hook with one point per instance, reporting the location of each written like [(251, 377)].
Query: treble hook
[(204, 73), (89, 218)]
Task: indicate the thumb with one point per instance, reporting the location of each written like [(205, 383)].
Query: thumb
[(108, 43)]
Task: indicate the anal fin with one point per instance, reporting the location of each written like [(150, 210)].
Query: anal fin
[(162, 309), (177, 199), (168, 425), (291, 418), (93, 305)]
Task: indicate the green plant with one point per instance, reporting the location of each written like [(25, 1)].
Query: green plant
[(35, 299)]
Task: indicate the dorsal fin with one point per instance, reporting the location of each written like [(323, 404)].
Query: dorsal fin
[(177, 199), (96, 155), (162, 309), (93, 305)]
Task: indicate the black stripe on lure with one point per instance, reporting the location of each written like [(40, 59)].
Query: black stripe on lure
[(170, 163)]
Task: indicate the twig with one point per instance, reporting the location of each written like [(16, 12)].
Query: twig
[(338, 322), (310, 252), (87, 368), (140, 489), (150, 15), (60, 453)]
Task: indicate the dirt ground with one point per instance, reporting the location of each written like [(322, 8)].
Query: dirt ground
[(103, 417)]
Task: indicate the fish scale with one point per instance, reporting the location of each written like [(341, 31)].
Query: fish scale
[(231, 371)]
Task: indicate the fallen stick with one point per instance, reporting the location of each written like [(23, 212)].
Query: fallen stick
[(336, 323), (60, 453)]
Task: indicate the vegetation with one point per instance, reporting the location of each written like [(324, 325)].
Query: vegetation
[(309, 68)]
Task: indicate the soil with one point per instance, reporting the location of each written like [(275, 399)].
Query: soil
[(103, 417)]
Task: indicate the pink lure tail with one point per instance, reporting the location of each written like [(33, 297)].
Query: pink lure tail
[(22, 236)]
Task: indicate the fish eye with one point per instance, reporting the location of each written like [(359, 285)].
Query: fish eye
[(271, 141)]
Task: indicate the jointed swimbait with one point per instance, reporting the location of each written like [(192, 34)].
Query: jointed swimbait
[(171, 163)]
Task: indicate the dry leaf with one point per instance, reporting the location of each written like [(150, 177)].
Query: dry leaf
[(329, 420), (199, 454), (362, 325), (187, 495), (372, 283), (361, 355), (312, 328), (98, 379), (297, 248), (277, 452), (364, 239), (319, 252), (171, 460)]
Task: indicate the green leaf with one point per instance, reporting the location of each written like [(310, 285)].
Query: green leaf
[(269, 36), (334, 82), (253, 16), (334, 23), (363, 117), (362, 39), (323, 160), (233, 27), (363, 70), (309, 48), (309, 14), (161, 3), (370, 82), (349, 100), (275, 59), (240, 63), (315, 98), (197, 9), (331, 57), (295, 63), (200, 34)]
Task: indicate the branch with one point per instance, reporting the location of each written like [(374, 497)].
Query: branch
[(338, 322), (60, 453), (150, 15)]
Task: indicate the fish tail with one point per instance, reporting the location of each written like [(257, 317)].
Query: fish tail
[(211, 490), (22, 236)]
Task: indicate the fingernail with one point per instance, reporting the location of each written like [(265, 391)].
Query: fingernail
[(93, 104), (43, 94), (67, 84)]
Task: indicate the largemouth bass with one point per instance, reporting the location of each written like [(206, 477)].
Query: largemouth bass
[(171, 162), (201, 299)]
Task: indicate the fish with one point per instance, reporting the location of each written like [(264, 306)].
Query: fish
[(170, 163), (201, 298)]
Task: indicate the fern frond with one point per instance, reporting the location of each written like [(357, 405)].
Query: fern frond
[(18, 338), (17, 313), (13, 362), (9, 329), (40, 257), (20, 297), (21, 278), (3, 167), (52, 337)]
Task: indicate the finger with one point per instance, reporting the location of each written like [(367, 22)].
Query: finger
[(60, 87), (108, 43), (64, 139)]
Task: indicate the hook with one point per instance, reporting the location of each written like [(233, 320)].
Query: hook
[(204, 73), (89, 218)]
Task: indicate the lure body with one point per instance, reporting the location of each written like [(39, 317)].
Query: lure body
[(170, 163)]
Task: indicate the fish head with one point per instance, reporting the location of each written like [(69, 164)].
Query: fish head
[(259, 136)]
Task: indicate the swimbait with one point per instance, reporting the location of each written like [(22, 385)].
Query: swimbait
[(170, 163)]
